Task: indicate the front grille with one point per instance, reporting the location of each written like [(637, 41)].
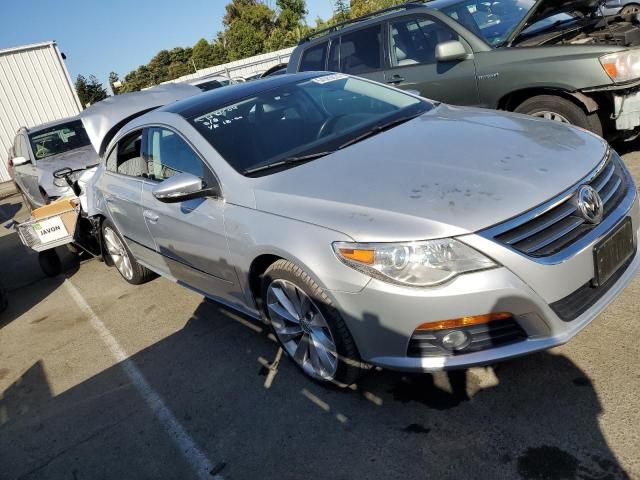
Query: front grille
[(561, 225), (488, 335)]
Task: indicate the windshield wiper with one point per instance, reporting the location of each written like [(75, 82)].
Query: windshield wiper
[(379, 128), (287, 161)]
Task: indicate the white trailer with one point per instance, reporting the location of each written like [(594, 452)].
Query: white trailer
[(35, 88)]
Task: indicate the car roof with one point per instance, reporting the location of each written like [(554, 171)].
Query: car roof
[(220, 97)]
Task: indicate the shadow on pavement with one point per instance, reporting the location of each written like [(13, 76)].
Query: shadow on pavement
[(531, 418)]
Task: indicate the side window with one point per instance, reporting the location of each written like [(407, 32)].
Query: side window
[(360, 50), (414, 40), (17, 147), (169, 155), (314, 58), (126, 158)]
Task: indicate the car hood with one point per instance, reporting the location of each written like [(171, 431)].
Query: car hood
[(451, 171), (75, 159), (545, 8), (102, 120)]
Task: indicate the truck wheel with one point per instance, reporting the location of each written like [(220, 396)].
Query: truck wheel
[(310, 329), (553, 107), (122, 258), (630, 8), (50, 263)]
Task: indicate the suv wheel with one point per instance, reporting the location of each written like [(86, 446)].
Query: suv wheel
[(308, 327), (562, 110), (122, 258)]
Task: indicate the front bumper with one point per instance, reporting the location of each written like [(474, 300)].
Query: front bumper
[(626, 111), (382, 317)]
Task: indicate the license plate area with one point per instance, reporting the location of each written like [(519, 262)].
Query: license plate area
[(612, 252)]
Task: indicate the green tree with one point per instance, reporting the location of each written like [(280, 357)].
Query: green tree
[(291, 14), (341, 11), (363, 7), (248, 26), (113, 78), (90, 90)]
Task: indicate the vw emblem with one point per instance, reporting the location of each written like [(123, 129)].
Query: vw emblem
[(590, 204)]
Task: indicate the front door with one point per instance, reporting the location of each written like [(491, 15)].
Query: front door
[(189, 235), (412, 44), (126, 169)]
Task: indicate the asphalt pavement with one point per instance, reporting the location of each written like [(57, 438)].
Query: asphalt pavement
[(100, 379)]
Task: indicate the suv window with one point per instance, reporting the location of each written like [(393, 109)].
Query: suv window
[(126, 157), (360, 50), (414, 40), (314, 58), (169, 155)]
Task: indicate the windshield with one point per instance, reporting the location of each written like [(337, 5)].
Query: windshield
[(58, 139), (495, 20), (301, 119)]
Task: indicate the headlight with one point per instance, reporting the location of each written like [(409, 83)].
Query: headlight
[(62, 183), (418, 264), (622, 66)]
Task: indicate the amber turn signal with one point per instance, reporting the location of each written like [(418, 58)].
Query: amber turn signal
[(464, 321), (363, 256)]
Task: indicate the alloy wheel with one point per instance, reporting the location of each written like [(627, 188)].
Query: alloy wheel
[(302, 329), (118, 253), (553, 116)]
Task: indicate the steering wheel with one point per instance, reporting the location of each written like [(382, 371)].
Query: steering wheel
[(328, 125), (62, 172)]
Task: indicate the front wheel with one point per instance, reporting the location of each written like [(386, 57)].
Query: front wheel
[(122, 258), (50, 263), (559, 109), (308, 327)]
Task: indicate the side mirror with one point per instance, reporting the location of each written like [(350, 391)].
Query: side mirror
[(17, 161), (450, 51), (180, 187)]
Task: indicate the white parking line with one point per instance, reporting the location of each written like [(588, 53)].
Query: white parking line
[(201, 465)]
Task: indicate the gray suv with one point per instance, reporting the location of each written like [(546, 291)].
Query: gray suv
[(563, 61)]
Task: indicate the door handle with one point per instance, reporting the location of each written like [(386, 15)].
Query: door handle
[(151, 216), (395, 79)]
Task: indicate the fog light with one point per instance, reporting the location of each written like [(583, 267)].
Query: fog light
[(456, 340)]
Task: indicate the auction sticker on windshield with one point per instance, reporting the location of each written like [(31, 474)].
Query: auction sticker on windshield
[(329, 78), (50, 229)]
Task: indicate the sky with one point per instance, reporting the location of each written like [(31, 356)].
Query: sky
[(98, 37)]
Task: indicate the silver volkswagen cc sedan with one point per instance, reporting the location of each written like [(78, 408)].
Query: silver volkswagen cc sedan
[(366, 225)]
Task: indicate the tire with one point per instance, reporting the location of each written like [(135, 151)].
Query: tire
[(630, 9), (561, 107), (314, 331), (50, 263), (120, 255)]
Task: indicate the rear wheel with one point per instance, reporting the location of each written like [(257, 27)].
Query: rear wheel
[(308, 327), (122, 258), (630, 9), (559, 109)]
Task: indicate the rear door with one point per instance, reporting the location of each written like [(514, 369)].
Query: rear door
[(412, 42), (125, 170), (359, 52), (189, 235)]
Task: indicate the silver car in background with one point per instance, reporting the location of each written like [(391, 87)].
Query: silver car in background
[(41, 150), (368, 225)]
